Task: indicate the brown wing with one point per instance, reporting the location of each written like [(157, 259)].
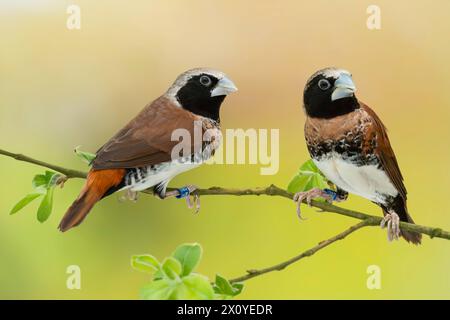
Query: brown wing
[(146, 140), (384, 151)]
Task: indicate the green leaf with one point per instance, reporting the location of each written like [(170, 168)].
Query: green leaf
[(299, 183), (308, 177), (45, 208), (238, 287), (38, 181), (173, 279), (189, 255), (85, 156), (46, 180), (171, 268), (193, 287), (159, 274), (309, 166), (157, 290), (320, 182), (26, 200), (145, 263), (223, 287)]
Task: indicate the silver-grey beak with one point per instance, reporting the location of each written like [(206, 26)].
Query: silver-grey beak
[(223, 87), (343, 87)]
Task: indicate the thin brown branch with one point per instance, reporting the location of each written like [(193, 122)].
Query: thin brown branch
[(271, 190), (280, 266), (69, 173)]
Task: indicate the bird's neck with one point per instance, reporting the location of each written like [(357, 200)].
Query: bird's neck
[(334, 108), (209, 108)]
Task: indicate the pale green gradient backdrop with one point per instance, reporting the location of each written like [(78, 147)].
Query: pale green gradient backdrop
[(61, 88)]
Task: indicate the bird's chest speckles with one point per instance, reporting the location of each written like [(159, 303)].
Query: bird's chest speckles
[(345, 150), (355, 143)]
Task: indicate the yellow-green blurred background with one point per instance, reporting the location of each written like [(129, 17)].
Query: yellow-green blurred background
[(61, 88)]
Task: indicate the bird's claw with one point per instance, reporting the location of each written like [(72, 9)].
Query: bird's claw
[(186, 192), (129, 195), (196, 202), (392, 221), (299, 197)]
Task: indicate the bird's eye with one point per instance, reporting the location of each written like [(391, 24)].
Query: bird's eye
[(324, 84), (205, 80)]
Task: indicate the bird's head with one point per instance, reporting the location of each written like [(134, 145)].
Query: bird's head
[(329, 93), (201, 91)]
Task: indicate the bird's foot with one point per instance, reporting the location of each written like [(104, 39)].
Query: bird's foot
[(327, 194), (129, 195), (186, 192), (392, 221)]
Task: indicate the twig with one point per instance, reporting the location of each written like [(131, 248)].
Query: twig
[(69, 173), (280, 266), (271, 190)]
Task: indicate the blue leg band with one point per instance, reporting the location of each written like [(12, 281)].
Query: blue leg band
[(331, 193), (184, 192)]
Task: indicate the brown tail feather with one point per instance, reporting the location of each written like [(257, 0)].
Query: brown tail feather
[(413, 237), (79, 209), (98, 183)]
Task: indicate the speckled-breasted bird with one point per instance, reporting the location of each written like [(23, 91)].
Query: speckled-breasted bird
[(140, 155), (349, 144)]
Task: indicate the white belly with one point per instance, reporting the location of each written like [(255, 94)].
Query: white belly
[(161, 174), (366, 181)]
